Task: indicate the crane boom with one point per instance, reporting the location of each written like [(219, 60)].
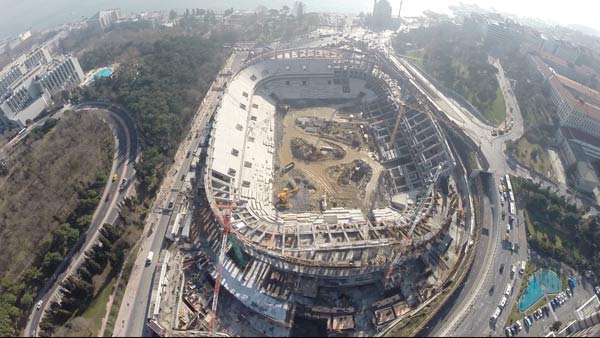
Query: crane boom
[(397, 124), (226, 212), (415, 220), (416, 217)]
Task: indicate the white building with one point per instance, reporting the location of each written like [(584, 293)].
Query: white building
[(27, 85), (61, 74), (498, 33), (577, 106), (103, 20)]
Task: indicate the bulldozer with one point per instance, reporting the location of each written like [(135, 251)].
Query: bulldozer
[(283, 197)]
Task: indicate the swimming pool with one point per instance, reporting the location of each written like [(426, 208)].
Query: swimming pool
[(103, 73), (544, 281)]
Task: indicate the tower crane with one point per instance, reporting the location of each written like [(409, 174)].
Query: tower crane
[(416, 218), (225, 218)]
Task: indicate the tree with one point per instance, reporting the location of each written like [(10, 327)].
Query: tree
[(537, 203), (172, 15), (273, 13), (64, 237), (51, 261), (556, 325)]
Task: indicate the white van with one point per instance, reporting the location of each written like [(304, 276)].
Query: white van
[(502, 302), (508, 289), (149, 258), (495, 316), (522, 269)]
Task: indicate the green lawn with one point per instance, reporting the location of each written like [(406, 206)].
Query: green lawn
[(497, 112), (97, 309), (416, 56), (533, 156), (90, 321)]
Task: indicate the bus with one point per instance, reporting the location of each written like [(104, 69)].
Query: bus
[(508, 184)]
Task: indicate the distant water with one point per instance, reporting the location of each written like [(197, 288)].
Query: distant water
[(17, 16)]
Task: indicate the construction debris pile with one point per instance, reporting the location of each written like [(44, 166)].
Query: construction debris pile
[(345, 130), (303, 150), (357, 172)]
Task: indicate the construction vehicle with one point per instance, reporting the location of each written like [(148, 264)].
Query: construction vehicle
[(288, 167), (282, 108), (324, 203), (283, 197)]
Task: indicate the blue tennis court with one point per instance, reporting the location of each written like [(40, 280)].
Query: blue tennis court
[(544, 281)]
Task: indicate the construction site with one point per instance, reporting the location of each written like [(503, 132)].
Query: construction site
[(326, 204), (320, 150)]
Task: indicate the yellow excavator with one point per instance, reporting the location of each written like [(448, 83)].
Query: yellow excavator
[(283, 197)]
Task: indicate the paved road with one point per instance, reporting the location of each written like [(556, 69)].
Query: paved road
[(15, 140), (107, 211), (474, 302), (131, 320)]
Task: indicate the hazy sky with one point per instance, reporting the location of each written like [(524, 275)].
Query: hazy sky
[(19, 15)]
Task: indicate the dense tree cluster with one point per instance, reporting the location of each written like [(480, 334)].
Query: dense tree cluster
[(162, 92), (78, 289), (17, 295), (455, 56), (530, 88), (561, 231)]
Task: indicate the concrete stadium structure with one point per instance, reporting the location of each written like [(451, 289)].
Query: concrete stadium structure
[(290, 255)]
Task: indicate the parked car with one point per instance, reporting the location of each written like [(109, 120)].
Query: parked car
[(546, 310), (540, 313), (527, 321), (507, 332), (518, 326), (569, 293), (39, 304)]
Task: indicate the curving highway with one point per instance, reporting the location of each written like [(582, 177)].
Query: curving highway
[(462, 316), (106, 212)]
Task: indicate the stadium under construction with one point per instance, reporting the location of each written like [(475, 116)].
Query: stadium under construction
[(327, 202)]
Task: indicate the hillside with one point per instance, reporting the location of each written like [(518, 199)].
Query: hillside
[(47, 173), (455, 56)]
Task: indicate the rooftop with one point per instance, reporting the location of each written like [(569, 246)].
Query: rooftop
[(560, 84)]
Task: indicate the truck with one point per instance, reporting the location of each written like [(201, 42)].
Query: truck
[(150, 257)]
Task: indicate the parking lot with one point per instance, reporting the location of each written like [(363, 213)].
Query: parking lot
[(565, 313)]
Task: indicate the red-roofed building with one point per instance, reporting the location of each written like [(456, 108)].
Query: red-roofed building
[(577, 105)]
